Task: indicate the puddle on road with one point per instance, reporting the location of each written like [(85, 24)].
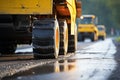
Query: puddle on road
[(72, 69), (44, 72)]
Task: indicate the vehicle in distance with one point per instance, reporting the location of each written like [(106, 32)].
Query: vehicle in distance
[(87, 28), (101, 32)]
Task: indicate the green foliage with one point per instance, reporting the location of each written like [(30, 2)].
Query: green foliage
[(118, 39), (115, 7)]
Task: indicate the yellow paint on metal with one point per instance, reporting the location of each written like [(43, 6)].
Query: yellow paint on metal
[(101, 30), (87, 28), (26, 6), (72, 8)]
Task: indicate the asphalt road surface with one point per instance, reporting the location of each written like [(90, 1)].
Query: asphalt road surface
[(92, 61)]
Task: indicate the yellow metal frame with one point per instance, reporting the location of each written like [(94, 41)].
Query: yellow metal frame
[(72, 8), (87, 28), (26, 6)]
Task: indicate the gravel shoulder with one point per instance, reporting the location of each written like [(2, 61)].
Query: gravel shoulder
[(116, 73), (9, 68)]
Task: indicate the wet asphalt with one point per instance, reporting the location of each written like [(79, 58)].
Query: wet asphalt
[(92, 61)]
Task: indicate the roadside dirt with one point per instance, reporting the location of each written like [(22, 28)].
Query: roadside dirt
[(116, 73)]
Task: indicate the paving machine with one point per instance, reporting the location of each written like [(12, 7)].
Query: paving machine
[(49, 25)]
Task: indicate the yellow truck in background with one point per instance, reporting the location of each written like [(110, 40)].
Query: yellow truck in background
[(87, 28), (101, 32), (49, 25)]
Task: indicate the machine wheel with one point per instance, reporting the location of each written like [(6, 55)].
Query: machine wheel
[(92, 37), (72, 41), (80, 37), (46, 39), (103, 38), (63, 37), (7, 47)]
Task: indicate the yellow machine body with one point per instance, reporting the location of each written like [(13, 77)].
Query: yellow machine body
[(101, 31), (87, 27), (26, 6)]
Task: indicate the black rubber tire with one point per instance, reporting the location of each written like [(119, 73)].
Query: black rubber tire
[(103, 38), (80, 37), (92, 37), (72, 41), (46, 39), (63, 37), (7, 47)]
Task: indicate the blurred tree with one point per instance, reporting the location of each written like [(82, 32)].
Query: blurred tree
[(115, 8)]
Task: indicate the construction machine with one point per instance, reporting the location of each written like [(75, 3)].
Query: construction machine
[(88, 28), (101, 32), (49, 25)]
